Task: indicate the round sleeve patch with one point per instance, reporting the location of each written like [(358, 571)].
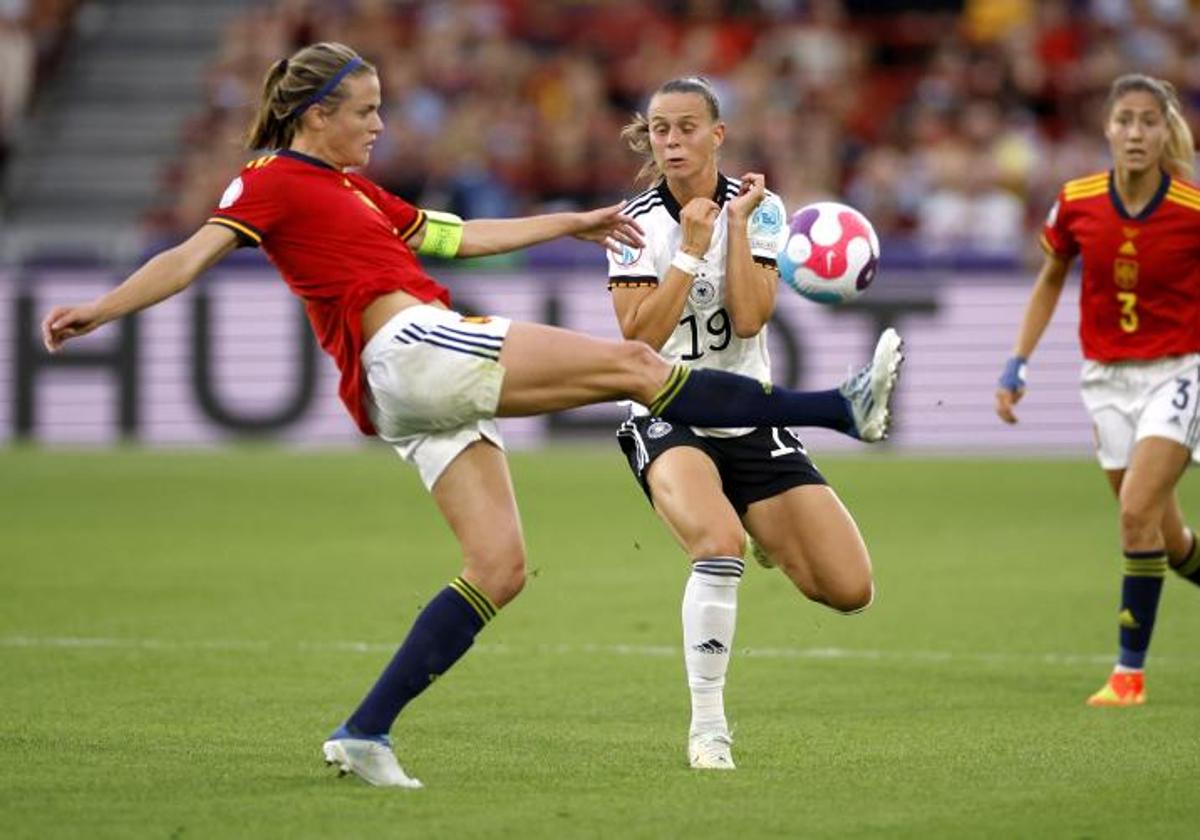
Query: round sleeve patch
[(232, 193), (627, 256)]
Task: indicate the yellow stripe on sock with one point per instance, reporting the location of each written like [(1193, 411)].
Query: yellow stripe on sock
[(480, 602), (1156, 567), (482, 596), (669, 390), (467, 596)]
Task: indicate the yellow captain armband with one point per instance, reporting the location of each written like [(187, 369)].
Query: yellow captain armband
[(443, 235)]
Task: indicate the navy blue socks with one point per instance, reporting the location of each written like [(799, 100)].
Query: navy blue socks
[(1140, 591), (718, 399), (442, 633)]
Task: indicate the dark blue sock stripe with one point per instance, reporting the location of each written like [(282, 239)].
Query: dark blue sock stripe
[(719, 566)]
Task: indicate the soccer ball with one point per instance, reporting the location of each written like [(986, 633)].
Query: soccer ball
[(831, 254)]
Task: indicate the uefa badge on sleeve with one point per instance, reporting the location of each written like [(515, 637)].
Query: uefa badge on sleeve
[(627, 256)]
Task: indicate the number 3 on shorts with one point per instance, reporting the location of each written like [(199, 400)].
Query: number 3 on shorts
[(1129, 317), (1181, 396)]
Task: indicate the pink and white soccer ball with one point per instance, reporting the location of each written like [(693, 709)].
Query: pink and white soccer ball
[(832, 253)]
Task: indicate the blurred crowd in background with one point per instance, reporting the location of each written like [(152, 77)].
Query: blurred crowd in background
[(951, 124), (33, 35)]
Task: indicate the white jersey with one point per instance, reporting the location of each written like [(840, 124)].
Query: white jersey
[(704, 336)]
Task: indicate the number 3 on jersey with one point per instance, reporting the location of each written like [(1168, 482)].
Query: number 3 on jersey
[(1129, 316)]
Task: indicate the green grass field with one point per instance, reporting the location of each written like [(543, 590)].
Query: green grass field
[(178, 633)]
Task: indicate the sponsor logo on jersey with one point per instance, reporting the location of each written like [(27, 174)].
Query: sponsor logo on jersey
[(627, 255), (657, 429), (1052, 216), (703, 292), (232, 193), (476, 319)]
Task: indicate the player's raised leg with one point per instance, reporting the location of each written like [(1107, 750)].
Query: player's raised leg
[(687, 494), (549, 369), (811, 536), (475, 496)]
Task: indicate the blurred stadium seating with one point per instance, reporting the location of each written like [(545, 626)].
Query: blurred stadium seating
[(950, 124)]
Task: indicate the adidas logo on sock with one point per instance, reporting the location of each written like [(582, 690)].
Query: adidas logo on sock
[(711, 646)]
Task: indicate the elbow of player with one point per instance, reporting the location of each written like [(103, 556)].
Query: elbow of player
[(747, 327)]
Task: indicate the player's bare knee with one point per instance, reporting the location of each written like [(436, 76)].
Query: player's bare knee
[(852, 601), (1139, 527), (719, 545), (499, 573)]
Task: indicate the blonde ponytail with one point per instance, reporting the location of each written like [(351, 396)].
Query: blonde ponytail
[(293, 84)]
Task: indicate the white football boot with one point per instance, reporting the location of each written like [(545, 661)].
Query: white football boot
[(372, 760), (710, 751), (869, 391)]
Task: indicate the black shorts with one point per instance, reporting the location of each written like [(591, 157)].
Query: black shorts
[(752, 467)]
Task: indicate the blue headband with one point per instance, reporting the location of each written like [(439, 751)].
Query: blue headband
[(326, 88)]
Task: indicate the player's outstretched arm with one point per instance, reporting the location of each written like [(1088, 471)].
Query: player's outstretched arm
[(162, 276), (608, 226), (1038, 311)]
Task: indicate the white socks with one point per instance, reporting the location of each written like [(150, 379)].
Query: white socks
[(709, 618)]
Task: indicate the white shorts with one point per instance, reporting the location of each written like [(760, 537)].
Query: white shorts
[(433, 380), (1130, 401)]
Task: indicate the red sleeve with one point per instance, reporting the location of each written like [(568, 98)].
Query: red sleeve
[(1056, 233), (405, 218), (252, 204)]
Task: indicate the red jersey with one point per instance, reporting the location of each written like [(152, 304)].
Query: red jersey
[(1141, 274), (339, 242)]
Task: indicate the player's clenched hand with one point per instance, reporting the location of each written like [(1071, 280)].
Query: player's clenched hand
[(753, 188), (697, 220), (610, 227), (1012, 388), (1005, 401), (67, 322)]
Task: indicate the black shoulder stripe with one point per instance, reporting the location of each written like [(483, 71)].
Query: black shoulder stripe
[(644, 209), (641, 201)]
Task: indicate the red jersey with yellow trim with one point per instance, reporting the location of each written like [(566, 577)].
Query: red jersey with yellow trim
[(1140, 297), (339, 242)]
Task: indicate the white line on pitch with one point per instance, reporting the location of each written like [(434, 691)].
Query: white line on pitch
[(567, 649)]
